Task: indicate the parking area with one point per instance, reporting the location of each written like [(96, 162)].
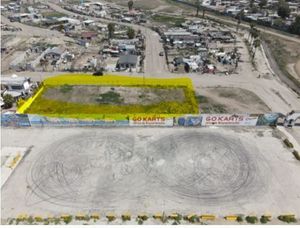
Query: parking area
[(209, 170)]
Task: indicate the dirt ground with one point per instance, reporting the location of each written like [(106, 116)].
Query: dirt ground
[(128, 95), (222, 171), (230, 100)]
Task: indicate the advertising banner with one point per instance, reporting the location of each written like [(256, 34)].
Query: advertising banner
[(41, 121), (229, 120), (14, 120), (151, 121), (269, 119), (189, 121)]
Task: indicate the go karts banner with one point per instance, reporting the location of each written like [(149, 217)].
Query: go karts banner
[(229, 119), (151, 121)]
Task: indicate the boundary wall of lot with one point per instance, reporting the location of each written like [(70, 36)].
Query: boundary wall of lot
[(202, 120)]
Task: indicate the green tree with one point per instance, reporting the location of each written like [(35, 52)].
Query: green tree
[(251, 4), (256, 44), (8, 101), (240, 15), (295, 26), (130, 5), (198, 4), (111, 30), (262, 3), (278, 22), (283, 9), (130, 33)]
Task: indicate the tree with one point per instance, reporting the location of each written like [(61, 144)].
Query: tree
[(8, 101), (295, 26), (111, 30), (256, 44), (262, 3), (198, 4), (130, 5), (130, 33), (251, 4), (283, 9), (240, 15)]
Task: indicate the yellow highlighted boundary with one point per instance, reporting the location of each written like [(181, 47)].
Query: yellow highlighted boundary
[(52, 108)]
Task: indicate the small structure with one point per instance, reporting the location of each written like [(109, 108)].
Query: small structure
[(127, 62), (15, 86)]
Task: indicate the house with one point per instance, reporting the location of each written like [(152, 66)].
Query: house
[(54, 53), (127, 62), (88, 35), (16, 86)]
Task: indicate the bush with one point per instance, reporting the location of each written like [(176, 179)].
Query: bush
[(8, 101), (296, 154), (288, 143), (287, 218), (98, 73), (264, 219), (239, 218), (251, 219)]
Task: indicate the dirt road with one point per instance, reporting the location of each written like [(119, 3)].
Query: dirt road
[(31, 30)]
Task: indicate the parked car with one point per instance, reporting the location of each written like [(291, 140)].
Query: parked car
[(161, 53)]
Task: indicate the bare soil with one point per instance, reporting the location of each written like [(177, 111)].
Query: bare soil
[(128, 95), (230, 100)]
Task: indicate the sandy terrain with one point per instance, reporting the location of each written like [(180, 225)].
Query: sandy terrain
[(221, 171), (128, 95), (231, 100)]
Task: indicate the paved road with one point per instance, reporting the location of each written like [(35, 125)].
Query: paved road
[(154, 64)]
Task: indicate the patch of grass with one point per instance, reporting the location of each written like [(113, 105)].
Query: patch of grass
[(288, 143), (65, 88), (109, 97), (168, 19), (202, 99), (53, 14)]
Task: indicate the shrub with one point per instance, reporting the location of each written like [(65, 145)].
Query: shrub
[(143, 217), (30, 220), (296, 154), (192, 218), (264, 219), (140, 221), (239, 218), (251, 219), (8, 101), (126, 217), (288, 143), (287, 218)]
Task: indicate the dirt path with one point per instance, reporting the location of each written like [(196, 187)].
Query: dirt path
[(278, 72), (297, 68)]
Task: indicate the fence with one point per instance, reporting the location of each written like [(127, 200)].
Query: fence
[(28, 120)]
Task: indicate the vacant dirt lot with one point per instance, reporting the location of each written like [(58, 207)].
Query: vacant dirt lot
[(230, 100), (208, 170), (114, 95)]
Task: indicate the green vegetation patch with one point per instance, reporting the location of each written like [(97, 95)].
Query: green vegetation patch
[(168, 19)]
